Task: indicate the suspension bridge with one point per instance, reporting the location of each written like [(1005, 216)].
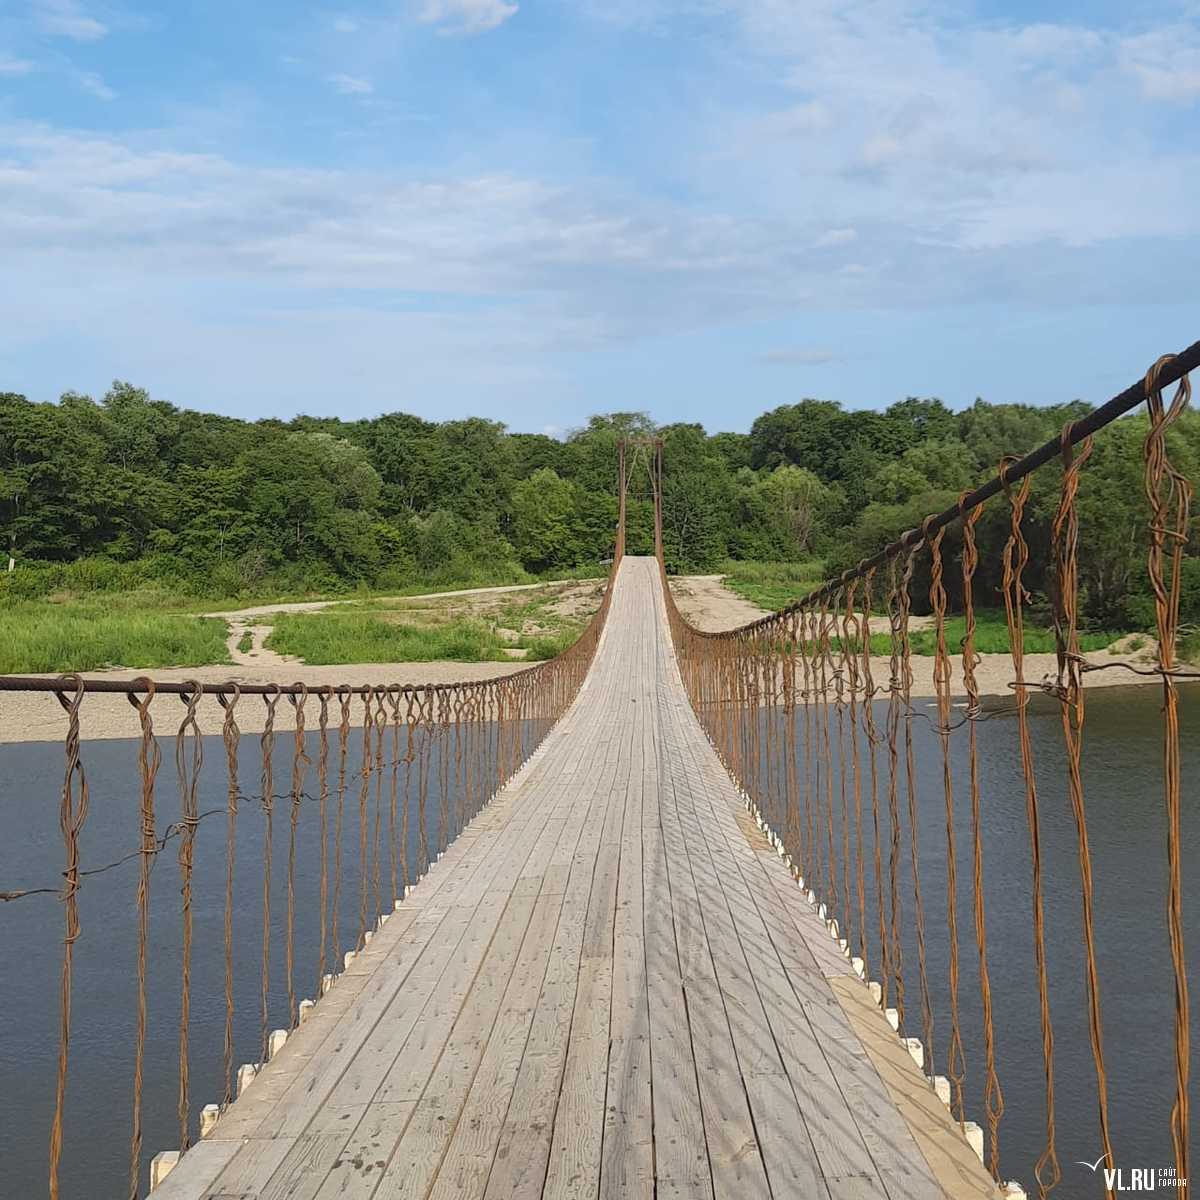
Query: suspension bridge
[(629, 922)]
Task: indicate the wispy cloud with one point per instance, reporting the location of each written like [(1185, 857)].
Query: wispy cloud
[(799, 358), (345, 25), (465, 16), (67, 18), (349, 85), (15, 66), (95, 85), (1164, 62)]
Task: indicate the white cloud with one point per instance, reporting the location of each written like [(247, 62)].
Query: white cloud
[(349, 85), (15, 66), (1164, 62), (93, 83), (465, 16), (67, 18), (345, 25)]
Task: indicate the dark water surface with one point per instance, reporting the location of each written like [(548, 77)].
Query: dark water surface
[(1123, 788), (96, 1155)]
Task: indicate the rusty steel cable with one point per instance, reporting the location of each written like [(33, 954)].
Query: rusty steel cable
[(231, 737), (299, 767), (188, 769), (955, 1055), (267, 746), (1168, 495), (1015, 558), (993, 1099), (323, 805), (149, 761), (73, 810), (1065, 541)]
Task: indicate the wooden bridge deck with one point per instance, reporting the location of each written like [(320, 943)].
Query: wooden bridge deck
[(608, 986)]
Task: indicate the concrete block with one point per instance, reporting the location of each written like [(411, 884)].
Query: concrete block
[(1014, 1191), (876, 990), (367, 936), (210, 1114), (161, 1165), (941, 1085), (974, 1136), (276, 1042), (915, 1047), (860, 967), (245, 1076), (893, 1018), (348, 958), (306, 1009), (327, 983)]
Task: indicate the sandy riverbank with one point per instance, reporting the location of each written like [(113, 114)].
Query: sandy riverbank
[(707, 604)]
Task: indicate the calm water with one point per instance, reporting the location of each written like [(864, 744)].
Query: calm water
[(1126, 825)]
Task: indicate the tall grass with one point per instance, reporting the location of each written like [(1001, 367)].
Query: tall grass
[(49, 638), (991, 637), (356, 637), (773, 585)]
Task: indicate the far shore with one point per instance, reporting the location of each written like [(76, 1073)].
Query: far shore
[(704, 601)]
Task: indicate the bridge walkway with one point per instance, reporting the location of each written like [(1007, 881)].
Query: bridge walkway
[(609, 985)]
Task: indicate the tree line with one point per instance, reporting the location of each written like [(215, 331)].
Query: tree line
[(138, 489)]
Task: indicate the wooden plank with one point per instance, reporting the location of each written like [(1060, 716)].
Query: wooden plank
[(681, 1153), (418, 1156), (734, 1156), (627, 1159), (523, 1150)]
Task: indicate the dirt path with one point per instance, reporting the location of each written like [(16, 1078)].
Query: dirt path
[(258, 655), (308, 606), (708, 604)]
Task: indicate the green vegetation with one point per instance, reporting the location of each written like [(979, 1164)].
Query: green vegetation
[(1189, 643), (991, 637), (380, 631), (132, 496), (356, 637), (245, 643), (773, 585), (86, 635)]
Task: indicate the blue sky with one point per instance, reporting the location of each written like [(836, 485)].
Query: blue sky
[(534, 210)]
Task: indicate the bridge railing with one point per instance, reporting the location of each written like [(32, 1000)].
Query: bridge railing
[(834, 754), (358, 789)]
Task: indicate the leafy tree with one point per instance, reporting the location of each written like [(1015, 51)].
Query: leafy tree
[(543, 512), (797, 506)]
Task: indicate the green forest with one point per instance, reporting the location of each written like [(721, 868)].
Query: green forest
[(129, 492)]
